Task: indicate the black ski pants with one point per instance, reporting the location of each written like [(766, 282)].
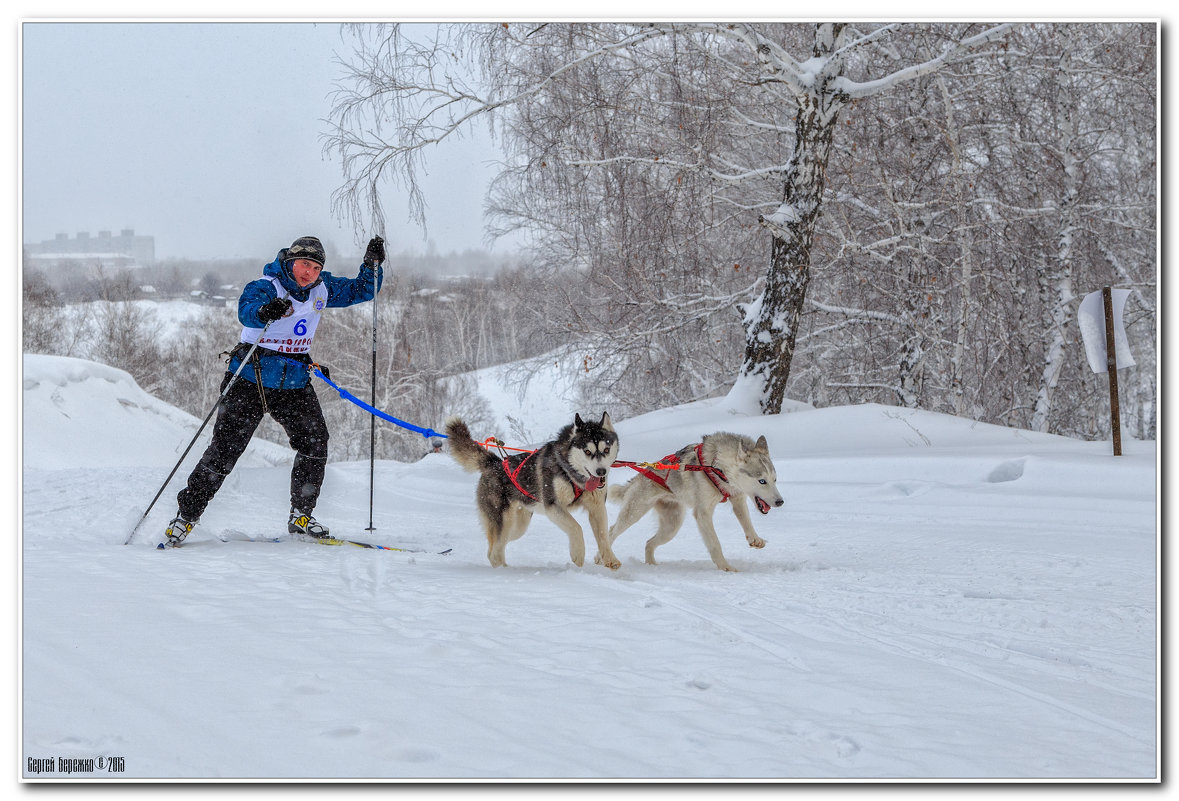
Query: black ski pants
[(296, 410)]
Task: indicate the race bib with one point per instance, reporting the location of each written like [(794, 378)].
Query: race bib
[(294, 332)]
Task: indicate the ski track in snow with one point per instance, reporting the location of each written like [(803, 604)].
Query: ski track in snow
[(981, 610)]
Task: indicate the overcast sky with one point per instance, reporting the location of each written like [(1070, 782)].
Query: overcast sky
[(207, 137)]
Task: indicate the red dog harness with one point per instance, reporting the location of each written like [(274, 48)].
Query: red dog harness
[(710, 471), (673, 462), (593, 483), (513, 475)]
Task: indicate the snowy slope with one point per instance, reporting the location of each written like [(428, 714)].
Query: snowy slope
[(530, 401), (938, 599), (72, 403)]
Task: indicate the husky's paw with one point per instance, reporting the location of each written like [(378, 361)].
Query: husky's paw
[(611, 562), (757, 542)]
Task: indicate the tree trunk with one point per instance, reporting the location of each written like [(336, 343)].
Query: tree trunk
[(1057, 294), (771, 322), (1055, 280)]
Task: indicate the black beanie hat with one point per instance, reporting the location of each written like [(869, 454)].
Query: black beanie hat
[(306, 247)]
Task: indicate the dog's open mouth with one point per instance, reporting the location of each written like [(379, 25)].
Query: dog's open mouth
[(762, 506)]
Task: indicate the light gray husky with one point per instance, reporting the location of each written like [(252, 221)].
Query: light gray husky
[(566, 473), (722, 467)]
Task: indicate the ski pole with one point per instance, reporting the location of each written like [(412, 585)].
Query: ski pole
[(209, 416), (372, 437)]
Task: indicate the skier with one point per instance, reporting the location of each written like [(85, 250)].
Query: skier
[(287, 302)]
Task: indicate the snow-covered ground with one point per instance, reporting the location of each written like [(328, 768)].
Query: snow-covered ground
[(938, 599)]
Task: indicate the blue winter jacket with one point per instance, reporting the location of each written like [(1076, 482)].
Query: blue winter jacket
[(284, 370)]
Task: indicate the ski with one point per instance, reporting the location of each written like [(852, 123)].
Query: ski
[(339, 541), (359, 544), (232, 536)]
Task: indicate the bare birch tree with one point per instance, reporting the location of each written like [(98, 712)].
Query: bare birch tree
[(1078, 95), (783, 83), (953, 260)]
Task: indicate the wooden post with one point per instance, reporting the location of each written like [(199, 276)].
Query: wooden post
[(1112, 368)]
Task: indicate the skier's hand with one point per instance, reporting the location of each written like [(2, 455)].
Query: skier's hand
[(375, 254), (279, 307)]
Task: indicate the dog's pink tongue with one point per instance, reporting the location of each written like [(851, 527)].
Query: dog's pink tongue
[(762, 506), (594, 483)]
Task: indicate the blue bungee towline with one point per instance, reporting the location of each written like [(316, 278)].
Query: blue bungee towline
[(348, 396)]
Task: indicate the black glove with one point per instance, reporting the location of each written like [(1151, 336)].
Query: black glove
[(274, 309), (375, 254)]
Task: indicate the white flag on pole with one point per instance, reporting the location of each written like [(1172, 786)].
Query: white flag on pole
[(1091, 321)]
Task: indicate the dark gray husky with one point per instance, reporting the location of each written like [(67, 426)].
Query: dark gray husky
[(566, 473)]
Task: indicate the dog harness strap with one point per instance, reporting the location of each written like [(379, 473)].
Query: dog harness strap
[(673, 459), (514, 475), (592, 483), (651, 474), (711, 472)]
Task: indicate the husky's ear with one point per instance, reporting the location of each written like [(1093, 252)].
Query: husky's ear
[(577, 421), (762, 445), (606, 424)]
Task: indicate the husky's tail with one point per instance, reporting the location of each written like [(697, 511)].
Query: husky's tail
[(466, 451), (616, 493)]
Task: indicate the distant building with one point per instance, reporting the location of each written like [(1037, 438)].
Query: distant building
[(106, 250)]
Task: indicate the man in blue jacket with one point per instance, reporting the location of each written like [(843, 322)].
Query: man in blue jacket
[(279, 312)]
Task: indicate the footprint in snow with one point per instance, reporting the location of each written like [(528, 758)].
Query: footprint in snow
[(341, 732), (1007, 471), (415, 755)]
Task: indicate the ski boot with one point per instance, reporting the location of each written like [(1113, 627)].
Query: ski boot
[(176, 531), (303, 523)]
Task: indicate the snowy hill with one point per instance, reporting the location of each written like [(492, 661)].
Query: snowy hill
[(72, 403), (937, 599)]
